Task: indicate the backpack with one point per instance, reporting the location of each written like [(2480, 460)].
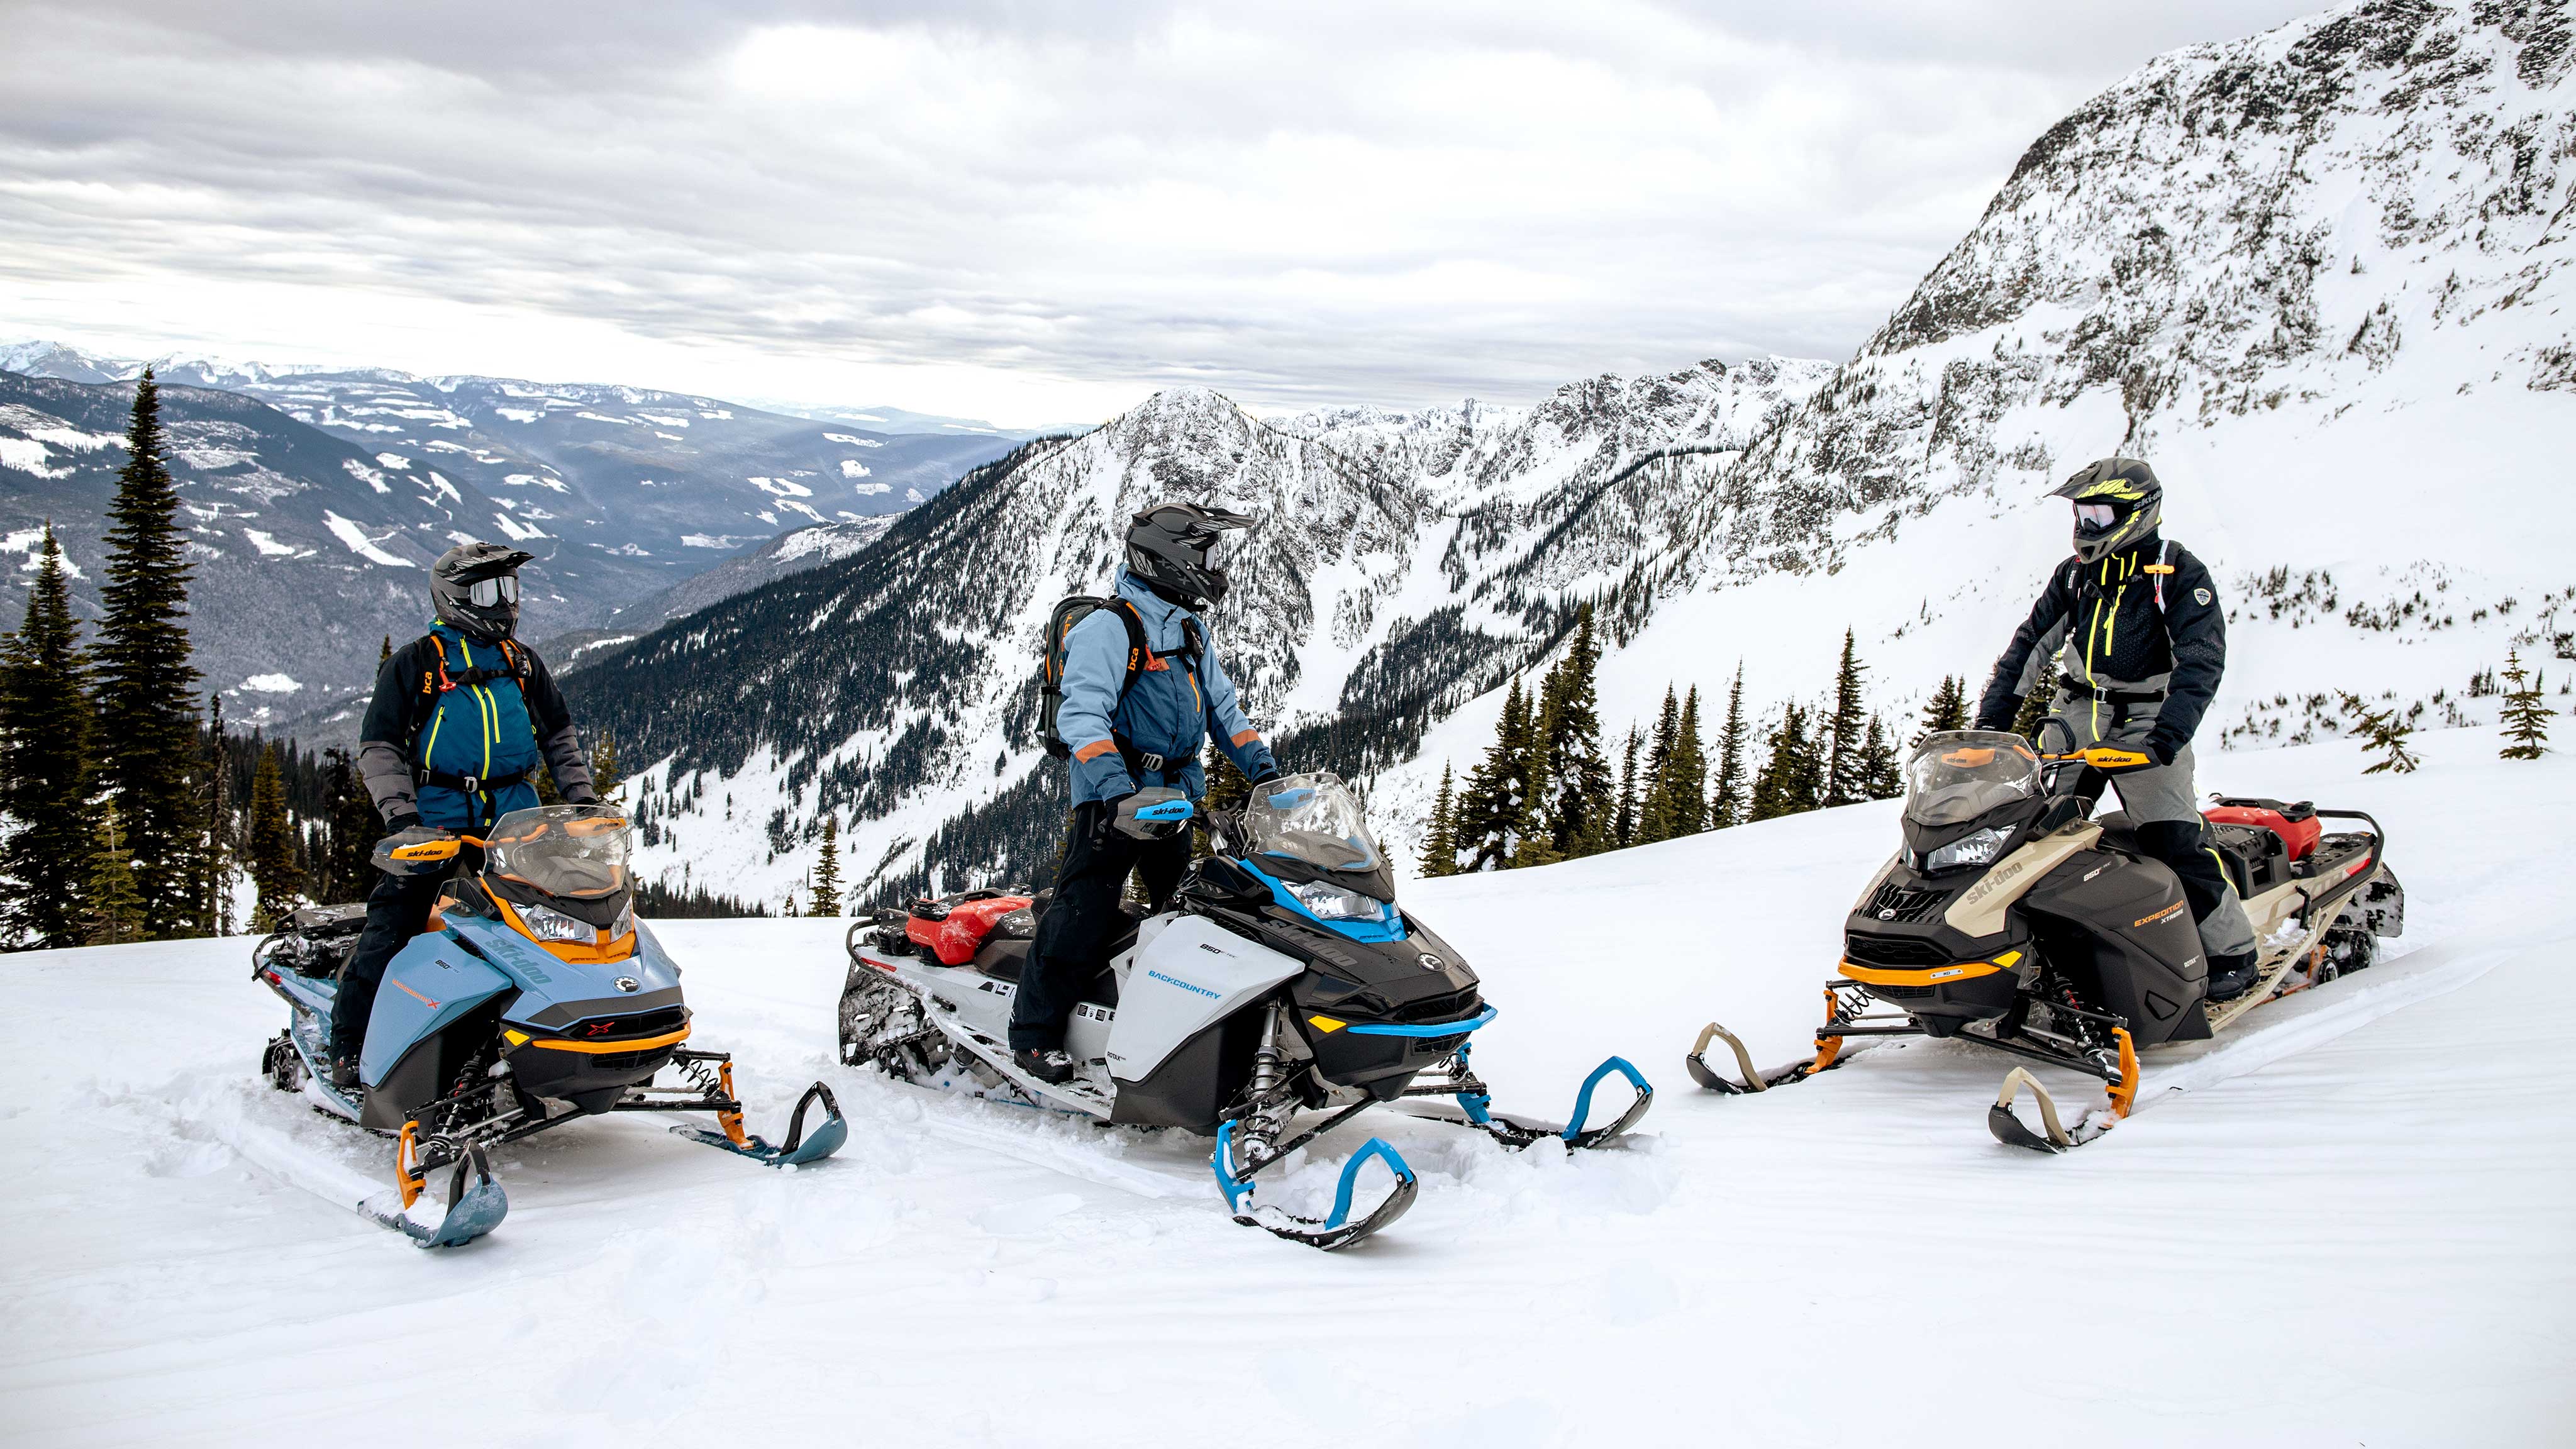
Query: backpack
[(1060, 625)]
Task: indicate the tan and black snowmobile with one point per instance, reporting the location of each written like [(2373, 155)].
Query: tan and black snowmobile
[(2015, 920)]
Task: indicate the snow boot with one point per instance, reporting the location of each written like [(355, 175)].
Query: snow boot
[(1051, 1065), (2232, 976), (344, 1071)]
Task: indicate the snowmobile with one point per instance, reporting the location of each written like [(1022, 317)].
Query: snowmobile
[(2014, 920), (534, 998), (1283, 980)]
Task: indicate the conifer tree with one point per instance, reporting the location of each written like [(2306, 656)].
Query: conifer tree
[(348, 872), (790, 909), (387, 651), (1947, 709), (1732, 798), (1654, 821), (1880, 776), (1683, 786), (1626, 825), (2525, 717), (827, 871), (1579, 802), (272, 845), (45, 766), (1791, 778), (1494, 812), (114, 908), (1440, 840), (146, 688), (605, 777), (2383, 732), (1847, 727), (223, 826), (2033, 714)]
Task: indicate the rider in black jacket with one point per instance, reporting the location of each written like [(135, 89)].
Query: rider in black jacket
[(2139, 643)]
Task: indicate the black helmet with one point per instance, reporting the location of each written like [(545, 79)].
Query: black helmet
[(474, 587), (2117, 502), (1171, 547)]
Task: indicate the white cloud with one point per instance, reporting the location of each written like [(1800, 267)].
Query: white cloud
[(1029, 212)]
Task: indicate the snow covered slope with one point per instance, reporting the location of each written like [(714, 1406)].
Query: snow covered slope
[(2349, 1230), (1405, 564)]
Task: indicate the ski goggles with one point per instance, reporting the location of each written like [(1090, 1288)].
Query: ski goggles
[(490, 593), (2096, 516)]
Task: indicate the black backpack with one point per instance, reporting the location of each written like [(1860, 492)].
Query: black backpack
[(1060, 626)]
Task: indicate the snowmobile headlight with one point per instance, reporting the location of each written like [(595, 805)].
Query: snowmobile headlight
[(1977, 847), (625, 924), (1326, 902), (551, 925)]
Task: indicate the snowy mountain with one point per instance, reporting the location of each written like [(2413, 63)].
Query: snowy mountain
[(2315, 276), (1407, 563), (625, 493)]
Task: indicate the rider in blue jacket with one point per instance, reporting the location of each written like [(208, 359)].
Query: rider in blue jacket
[(463, 718), (1136, 736)]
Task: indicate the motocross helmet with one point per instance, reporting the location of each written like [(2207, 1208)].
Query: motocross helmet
[(2117, 502), (474, 588), (1178, 551)]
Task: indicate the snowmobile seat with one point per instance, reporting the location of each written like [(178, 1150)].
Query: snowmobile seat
[(2253, 860)]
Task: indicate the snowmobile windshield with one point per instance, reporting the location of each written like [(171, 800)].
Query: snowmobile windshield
[(1958, 775), (1313, 819), (568, 852)]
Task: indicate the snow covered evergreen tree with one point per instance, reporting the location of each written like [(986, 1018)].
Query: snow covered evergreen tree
[(1624, 827), (1880, 776), (1654, 821), (112, 912), (1579, 802), (1791, 779), (45, 765), (2525, 716)]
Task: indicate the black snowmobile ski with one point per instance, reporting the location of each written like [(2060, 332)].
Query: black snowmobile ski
[(1337, 1229), (1476, 1103)]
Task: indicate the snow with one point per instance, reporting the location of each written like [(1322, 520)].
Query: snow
[(357, 470), (269, 547), (397, 461), (855, 442), (853, 468), (270, 684), (704, 540), (516, 531), (27, 456), (2349, 1229), (355, 536)]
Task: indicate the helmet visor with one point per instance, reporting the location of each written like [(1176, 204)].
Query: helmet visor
[(491, 593), (2096, 517)]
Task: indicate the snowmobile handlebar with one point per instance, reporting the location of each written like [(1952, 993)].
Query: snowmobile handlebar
[(429, 851), (2108, 760)]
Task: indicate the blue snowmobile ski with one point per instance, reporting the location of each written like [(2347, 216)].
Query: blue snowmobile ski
[(533, 999)]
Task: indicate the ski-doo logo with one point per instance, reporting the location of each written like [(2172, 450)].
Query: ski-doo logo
[(628, 983), (1185, 986), (1429, 961)]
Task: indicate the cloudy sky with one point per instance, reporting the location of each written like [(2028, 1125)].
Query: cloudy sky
[(1034, 212)]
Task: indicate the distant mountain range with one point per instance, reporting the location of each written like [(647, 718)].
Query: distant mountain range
[(333, 490)]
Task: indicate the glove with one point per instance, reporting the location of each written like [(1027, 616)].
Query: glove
[(403, 818), (1151, 814), (586, 797), (408, 839), (1268, 774), (2161, 748)]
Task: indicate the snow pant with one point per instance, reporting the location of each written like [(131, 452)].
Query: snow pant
[(397, 910), (1084, 917), (2161, 805)]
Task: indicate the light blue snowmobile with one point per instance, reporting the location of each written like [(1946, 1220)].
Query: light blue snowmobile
[(533, 998)]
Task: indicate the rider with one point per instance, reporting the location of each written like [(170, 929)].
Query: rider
[(2144, 642), (460, 719), (1136, 734)]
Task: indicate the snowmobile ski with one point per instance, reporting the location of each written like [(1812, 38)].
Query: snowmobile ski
[(1476, 1103), (797, 1150), (1334, 1231), (474, 1207)]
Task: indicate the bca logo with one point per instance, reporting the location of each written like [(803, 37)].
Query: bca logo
[(2201, 596)]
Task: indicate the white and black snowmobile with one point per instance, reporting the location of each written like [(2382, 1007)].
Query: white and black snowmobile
[(1282, 981), (2014, 920), (534, 998)]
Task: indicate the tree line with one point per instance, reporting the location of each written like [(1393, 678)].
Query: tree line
[(1545, 790), (131, 815)]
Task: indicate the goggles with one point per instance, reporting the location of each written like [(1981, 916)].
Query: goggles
[(490, 593), (2098, 517)]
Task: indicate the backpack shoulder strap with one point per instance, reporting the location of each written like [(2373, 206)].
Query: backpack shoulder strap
[(1139, 650), (2163, 569)]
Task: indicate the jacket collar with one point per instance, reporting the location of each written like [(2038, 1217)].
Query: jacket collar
[(1162, 617)]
